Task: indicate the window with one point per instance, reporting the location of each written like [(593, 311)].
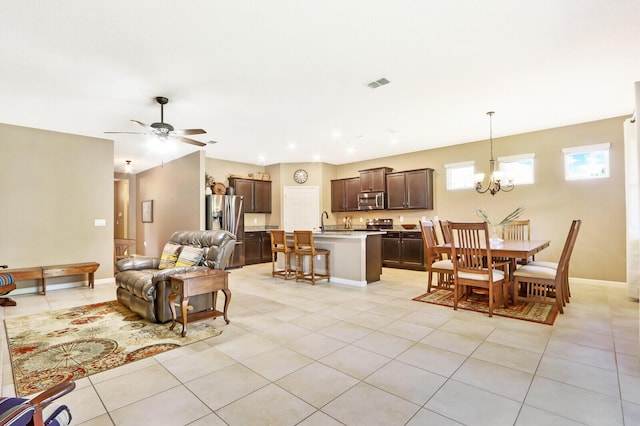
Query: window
[(586, 162), (459, 175), (518, 168)]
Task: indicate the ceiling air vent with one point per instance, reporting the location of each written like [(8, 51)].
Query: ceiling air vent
[(378, 83)]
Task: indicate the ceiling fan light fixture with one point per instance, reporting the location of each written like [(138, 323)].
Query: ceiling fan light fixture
[(128, 168)]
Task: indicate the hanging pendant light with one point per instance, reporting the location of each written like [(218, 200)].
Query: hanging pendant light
[(128, 168), (496, 177)]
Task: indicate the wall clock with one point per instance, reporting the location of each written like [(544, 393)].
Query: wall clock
[(300, 176)]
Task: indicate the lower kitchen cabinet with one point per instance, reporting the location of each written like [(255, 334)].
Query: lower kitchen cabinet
[(257, 247), (403, 250)]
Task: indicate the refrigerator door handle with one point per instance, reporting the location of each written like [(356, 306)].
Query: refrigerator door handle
[(235, 232)]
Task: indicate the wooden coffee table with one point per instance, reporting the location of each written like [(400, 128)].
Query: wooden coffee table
[(193, 284)]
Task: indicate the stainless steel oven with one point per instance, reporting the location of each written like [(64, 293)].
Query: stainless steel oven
[(371, 201)]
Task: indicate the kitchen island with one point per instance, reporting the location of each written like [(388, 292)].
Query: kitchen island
[(356, 256)]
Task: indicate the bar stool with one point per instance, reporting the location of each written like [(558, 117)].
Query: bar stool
[(279, 245), (303, 246)]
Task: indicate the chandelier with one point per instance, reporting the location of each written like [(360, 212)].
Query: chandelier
[(496, 177)]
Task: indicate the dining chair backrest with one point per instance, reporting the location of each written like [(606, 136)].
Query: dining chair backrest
[(446, 231), (303, 240), (429, 241), (470, 247), (278, 239), (569, 244), (517, 230)]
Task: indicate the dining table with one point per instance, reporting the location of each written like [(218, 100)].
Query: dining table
[(508, 249)]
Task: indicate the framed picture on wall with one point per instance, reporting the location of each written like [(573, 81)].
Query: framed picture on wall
[(147, 211)]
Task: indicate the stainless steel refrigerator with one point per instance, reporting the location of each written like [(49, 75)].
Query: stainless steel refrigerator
[(227, 212)]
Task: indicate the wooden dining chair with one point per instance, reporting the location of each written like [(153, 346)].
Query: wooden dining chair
[(473, 265), (547, 282), (303, 246), (279, 245), (446, 234), (433, 260), (517, 230)]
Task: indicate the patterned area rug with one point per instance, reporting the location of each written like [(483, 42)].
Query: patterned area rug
[(530, 311), (64, 345)]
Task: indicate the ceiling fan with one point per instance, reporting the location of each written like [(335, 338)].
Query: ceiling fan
[(166, 130)]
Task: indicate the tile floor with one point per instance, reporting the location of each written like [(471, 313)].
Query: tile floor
[(294, 354)]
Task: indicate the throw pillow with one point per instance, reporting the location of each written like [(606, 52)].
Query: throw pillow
[(169, 256), (190, 256)]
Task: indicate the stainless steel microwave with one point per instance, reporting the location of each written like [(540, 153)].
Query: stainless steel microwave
[(371, 201)]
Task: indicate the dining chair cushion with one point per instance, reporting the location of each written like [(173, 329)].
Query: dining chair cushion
[(497, 276), (544, 264), (535, 272), (442, 264)]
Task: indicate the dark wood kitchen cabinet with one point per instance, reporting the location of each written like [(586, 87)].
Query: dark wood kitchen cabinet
[(412, 189), (373, 180), (403, 250), (257, 247), (256, 193), (344, 194)]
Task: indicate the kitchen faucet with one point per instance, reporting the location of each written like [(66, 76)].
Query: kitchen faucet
[(322, 215)]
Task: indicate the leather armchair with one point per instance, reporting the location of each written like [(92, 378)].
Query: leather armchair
[(144, 288)]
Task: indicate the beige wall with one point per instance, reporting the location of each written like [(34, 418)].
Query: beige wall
[(53, 186), (177, 191)]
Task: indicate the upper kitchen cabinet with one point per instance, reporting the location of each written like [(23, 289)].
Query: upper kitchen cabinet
[(344, 194), (373, 180), (412, 189), (256, 193)]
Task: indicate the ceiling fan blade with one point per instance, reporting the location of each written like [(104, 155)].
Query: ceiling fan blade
[(141, 123), (132, 133), (191, 141), (181, 132)]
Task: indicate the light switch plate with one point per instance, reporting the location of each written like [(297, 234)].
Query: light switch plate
[(100, 222)]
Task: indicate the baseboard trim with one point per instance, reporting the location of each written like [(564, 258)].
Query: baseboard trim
[(60, 286)]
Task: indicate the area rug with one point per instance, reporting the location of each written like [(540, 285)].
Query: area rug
[(529, 311), (68, 344)]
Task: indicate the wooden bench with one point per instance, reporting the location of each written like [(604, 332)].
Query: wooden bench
[(44, 272)]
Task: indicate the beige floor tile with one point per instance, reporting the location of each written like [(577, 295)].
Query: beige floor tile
[(472, 406), (432, 359), (276, 363), (495, 378), (407, 330), (103, 420), (123, 370), (458, 343), (531, 416), (130, 388), (627, 346), (284, 332), (227, 385), (406, 381), (582, 354), (628, 364), (315, 321), (631, 413), (383, 344), (391, 311), (267, 406), (175, 406), (319, 419), (508, 356), (630, 388), (315, 345), (246, 346), (580, 375), (368, 405), (345, 331), (428, 319), (328, 383), (209, 420), (574, 403), (426, 417), (529, 341), (370, 319), (84, 404), (197, 364), (585, 338), (356, 362), (473, 326)]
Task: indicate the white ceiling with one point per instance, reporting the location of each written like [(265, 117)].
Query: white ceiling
[(286, 80)]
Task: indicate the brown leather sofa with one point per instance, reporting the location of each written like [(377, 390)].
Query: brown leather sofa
[(144, 288)]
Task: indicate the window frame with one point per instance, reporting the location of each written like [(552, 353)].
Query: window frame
[(458, 166), (594, 150)]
